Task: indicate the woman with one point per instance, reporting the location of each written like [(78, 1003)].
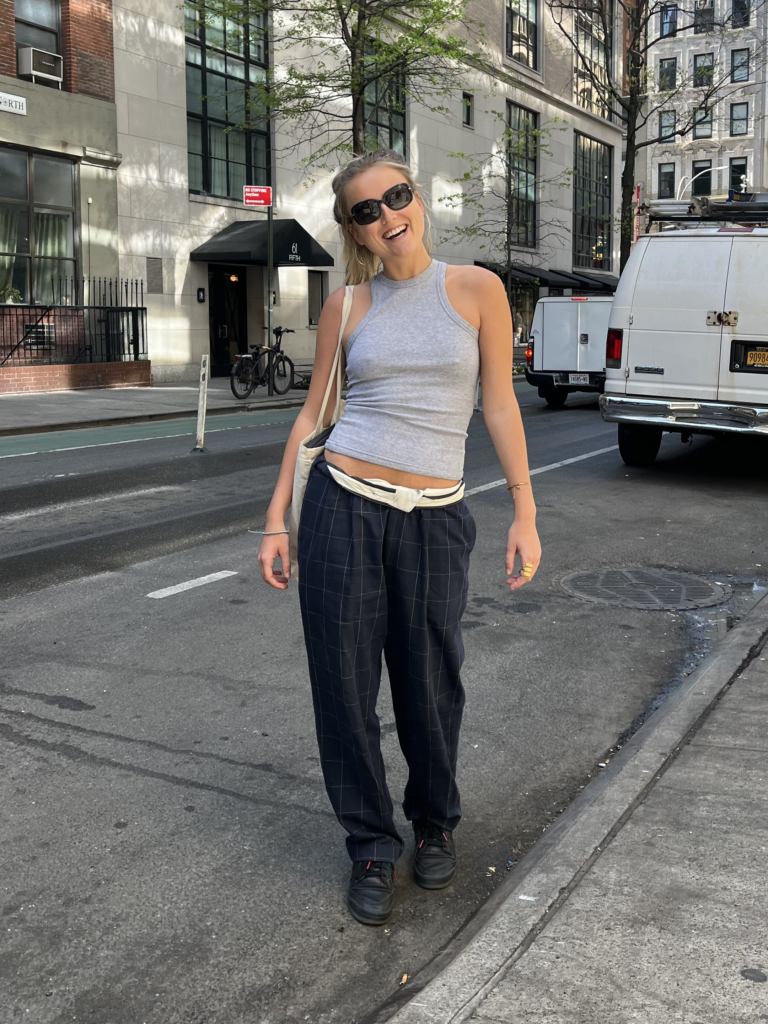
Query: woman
[(385, 534)]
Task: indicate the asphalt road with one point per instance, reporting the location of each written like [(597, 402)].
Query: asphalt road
[(169, 853)]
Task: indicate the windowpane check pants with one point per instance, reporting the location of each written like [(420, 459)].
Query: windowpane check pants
[(375, 579)]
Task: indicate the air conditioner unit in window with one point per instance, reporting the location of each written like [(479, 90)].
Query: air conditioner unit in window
[(39, 64)]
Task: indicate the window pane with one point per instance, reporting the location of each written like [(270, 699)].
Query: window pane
[(14, 228), (54, 280), (191, 22), (259, 172), (702, 124), (216, 96), (42, 38), (592, 204), (195, 168), (666, 181), (235, 101), (594, 50), (667, 124), (44, 13), (740, 13), (236, 180), (13, 174), (740, 65), (701, 186), (739, 118), (738, 174), (668, 20), (214, 32), (235, 42), (668, 73), (194, 135), (194, 90), (703, 66), (215, 61), (236, 68), (195, 154), (14, 279), (193, 54), (53, 181), (521, 32), (521, 153), (53, 233)]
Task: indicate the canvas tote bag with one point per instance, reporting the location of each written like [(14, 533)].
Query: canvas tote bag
[(314, 444)]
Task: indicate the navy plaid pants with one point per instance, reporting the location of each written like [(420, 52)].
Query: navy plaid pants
[(374, 579)]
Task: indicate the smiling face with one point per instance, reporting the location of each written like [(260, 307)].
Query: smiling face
[(397, 234)]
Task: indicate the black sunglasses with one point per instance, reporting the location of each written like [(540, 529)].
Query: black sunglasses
[(369, 210)]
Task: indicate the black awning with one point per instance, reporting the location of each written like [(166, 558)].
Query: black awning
[(245, 241), (605, 284), (550, 278)]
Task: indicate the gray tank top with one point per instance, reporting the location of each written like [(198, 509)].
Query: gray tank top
[(412, 366)]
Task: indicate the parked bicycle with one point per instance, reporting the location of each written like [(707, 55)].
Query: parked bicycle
[(251, 370)]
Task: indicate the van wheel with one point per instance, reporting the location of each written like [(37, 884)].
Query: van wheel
[(554, 397), (638, 445)]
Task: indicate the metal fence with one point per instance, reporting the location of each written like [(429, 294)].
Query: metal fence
[(90, 320), (38, 335)]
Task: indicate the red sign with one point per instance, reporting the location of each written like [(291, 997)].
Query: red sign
[(257, 195)]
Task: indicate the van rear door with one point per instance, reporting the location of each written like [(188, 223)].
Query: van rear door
[(592, 332), (672, 351), (744, 347), (558, 335)]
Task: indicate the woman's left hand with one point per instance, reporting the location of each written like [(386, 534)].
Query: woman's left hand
[(523, 541)]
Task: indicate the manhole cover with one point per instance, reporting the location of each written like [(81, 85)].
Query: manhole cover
[(645, 588)]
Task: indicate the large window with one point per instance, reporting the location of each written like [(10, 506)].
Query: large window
[(702, 123), (522, 174), (522, 32), (701, 173), (703, 19), (37, 227), (668, 25), (385, 113), (739, 65), (667, 125), (740, 14), (223, 59), (38, 23), (703, 70), (739, 118), (592, 63), (737, 173), (668, 74), (592, 204), (666, 181)]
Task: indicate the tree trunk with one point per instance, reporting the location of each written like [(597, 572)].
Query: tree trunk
[(357, 83), (628, 186)]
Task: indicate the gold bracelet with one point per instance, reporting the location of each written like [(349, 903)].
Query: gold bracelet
[(523, 483)]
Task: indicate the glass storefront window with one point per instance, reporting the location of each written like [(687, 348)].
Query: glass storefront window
[(592, 226)]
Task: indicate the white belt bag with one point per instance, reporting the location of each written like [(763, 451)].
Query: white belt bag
[(404, 498), (314, 444)]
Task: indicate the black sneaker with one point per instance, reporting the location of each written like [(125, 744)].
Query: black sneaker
[(371, 894), (435, 855)]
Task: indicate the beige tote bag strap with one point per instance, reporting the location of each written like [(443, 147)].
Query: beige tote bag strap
[(336, 368)]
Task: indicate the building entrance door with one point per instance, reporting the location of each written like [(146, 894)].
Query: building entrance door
[(228, 317)]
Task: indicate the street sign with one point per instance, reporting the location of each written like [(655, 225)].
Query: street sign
[(257, 195)]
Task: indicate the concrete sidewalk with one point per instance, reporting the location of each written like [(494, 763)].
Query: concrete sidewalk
[(646, 902), (67, 410)]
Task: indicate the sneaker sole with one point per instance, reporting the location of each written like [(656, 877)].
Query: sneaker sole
[(432, 883), (363, 918)]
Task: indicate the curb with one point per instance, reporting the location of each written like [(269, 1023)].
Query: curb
[(478, 957), (117, 421)]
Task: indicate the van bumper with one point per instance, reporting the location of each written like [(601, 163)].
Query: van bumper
[(679, 416), (562, 380)]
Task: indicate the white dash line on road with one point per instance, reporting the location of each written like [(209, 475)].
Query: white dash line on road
[(544, 469), (45, 510), (191, 584)]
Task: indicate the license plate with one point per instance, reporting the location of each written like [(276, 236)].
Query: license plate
[(583, 378), (757, 358)]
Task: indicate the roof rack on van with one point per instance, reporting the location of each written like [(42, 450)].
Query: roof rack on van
[(752, 209)]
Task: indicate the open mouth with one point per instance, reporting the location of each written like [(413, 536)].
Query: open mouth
[(395, 232)]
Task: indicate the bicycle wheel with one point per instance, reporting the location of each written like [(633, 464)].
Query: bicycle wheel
[(282, 378), (241, 380)]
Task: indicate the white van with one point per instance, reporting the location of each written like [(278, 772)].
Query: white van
[(687, 346), (566, 351)]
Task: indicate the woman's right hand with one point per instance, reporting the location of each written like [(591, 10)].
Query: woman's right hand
[(272, 548)]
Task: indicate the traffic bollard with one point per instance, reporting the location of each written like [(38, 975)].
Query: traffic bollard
[(202, 401)]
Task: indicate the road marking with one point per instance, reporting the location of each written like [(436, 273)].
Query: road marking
[(544, 469), (45, 509), (191, 584)]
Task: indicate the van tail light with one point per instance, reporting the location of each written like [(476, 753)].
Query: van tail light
[(613, 348), (529, 355)]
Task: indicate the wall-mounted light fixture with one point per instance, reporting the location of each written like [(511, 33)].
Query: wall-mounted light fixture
[(201, 294), (234, 278)]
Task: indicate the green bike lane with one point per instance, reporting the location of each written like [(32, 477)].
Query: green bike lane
[(99, 437)]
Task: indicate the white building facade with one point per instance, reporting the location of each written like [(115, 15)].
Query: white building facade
[(726, 148), (181, 177)]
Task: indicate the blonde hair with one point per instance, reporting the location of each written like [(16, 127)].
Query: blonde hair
[(361, 263)]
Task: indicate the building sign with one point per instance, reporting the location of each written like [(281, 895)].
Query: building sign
[(257, 195), (13, 104)]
